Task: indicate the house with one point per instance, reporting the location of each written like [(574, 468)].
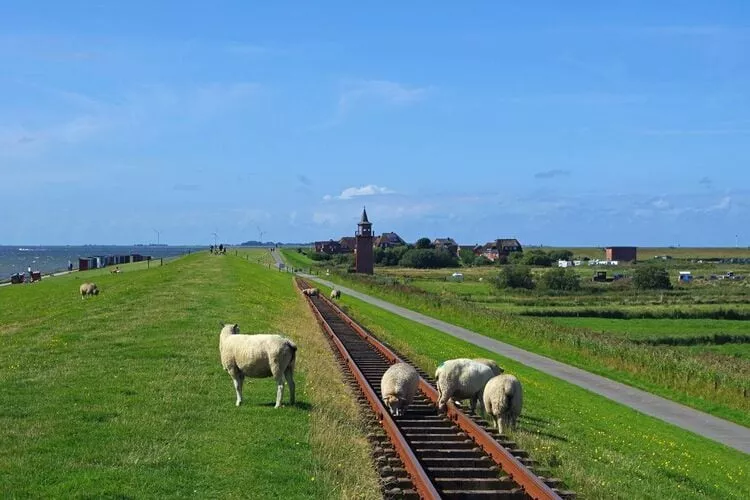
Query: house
[(448, 244), (626, 254), (494, 249), (347, 243), (330, 247), (389, 240)]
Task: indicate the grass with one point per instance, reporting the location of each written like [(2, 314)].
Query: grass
[(714, 384), (599, 448), (122, 395), (637, 329)]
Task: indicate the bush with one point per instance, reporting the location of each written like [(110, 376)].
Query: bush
[(481, 260), (428, 259), (318, 256), (561, 279), (390, 256), (537, 258), (651, 277), (515, 276), (556, 255)]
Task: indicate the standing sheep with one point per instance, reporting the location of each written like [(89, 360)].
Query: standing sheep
[(311, 292), (335, 293), (257, 356), (398, 387), (503, 399), (88, 289), (461, 378)]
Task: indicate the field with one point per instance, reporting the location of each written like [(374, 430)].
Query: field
[(122, 395), (599, 448), (689, 344)]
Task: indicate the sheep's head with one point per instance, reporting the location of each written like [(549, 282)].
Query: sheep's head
[(96, 291), (230, 329), (394, 404)]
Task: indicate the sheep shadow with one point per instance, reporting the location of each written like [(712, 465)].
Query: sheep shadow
[(301, 405), (537, 426)]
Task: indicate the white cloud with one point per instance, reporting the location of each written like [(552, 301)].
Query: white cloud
[(353, 192), (661, 204), (724, 204)]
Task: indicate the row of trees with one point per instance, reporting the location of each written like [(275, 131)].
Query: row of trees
[(645, 277), (420, 258)]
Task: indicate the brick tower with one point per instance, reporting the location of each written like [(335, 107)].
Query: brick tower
[(363, 253)]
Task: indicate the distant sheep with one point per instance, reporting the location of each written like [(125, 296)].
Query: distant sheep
[(398, 387), (496, 370), (311, 292), (461, 378), (335, 293), (503, 399), (258, 356), (88, 289)]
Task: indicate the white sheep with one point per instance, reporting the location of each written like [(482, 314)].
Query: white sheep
[(335, 293), (311, 292), (461, 378), (257, 356), (503, 400), (398, 387), (88, 289)]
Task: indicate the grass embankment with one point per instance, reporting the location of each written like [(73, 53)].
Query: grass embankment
[(716, 384), (599, 448), (123, 395)]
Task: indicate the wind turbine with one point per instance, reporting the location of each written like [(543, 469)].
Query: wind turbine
[(215, 236), (260, 235), (157, 236)]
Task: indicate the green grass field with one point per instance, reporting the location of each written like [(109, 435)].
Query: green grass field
[(123, 396), (599, 448), (637, 329)]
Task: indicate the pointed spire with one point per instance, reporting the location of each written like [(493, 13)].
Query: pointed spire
[(364, 216)]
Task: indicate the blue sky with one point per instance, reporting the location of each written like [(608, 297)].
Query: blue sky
[(568, 125)]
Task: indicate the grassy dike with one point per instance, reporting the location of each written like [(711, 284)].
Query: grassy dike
[(599, 448), (123, 395)]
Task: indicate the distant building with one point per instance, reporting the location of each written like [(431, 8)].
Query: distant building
[(330, 247), (364, 258), (494, 249), (348, 243), (626, 254), (389, 240), (447, 244)]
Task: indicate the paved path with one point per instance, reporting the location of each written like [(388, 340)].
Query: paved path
[(703, 424)]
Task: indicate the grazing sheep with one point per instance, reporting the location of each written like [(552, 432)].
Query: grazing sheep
[(88, 289), (461, 378), (503, 399), (335, 293), (496, 370), (398, 387), (257, 356), (311, 292)]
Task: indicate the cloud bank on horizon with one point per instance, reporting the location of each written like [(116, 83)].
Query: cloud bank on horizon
[(554, 125)]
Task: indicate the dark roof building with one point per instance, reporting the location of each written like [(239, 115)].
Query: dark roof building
[(387, 240)]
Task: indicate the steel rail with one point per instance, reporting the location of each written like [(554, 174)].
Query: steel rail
[(422, 483), (527, 480)]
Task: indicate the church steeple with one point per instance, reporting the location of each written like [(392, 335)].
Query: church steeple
[(364, 215), (363, 252)]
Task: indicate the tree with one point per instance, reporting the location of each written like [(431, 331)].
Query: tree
[(423, 243), (515, 276), (561, 279), (651, 277), (467, 256)]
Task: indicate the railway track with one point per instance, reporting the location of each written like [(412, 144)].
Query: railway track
[(426, 453)]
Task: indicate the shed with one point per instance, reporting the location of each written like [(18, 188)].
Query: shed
[(457, 277), (686, 277)]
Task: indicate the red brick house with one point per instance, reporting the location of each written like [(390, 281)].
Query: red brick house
[(624, 254), (494, 249)]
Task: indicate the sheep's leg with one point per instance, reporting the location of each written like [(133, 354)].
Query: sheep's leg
[(237, 378), (289, 375), (279, 389), (499, 424)]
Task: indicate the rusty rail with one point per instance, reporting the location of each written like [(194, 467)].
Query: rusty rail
[(417, 474)]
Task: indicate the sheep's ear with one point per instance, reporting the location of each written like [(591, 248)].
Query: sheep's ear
[(236, 328)]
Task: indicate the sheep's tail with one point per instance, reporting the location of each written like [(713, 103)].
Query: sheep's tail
[(292, 347)]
